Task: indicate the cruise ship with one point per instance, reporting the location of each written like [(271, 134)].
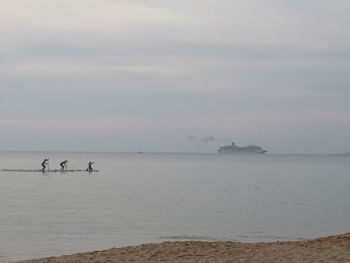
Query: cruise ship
[(233, 149)]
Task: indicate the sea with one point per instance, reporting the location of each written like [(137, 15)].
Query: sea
[(138, 198)]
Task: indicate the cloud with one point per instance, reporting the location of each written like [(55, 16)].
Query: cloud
[(76, 70), (212, 69), (83, 16), (207, 139), (101, 126)]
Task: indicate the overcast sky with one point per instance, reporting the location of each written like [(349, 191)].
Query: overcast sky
[(162, 75)]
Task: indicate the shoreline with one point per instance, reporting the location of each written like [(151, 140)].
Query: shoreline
[(325, 249)]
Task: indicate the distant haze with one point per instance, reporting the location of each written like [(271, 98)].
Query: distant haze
[(161, 75)]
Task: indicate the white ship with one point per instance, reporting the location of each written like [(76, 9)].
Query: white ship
[(233, 148)]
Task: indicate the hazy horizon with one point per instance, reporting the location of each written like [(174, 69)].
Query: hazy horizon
[(175, 76), (170, 152)]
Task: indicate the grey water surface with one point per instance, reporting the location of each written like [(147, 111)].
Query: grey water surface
[(139, 198)]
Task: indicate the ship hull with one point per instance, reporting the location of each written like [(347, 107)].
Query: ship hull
[(241, 152)]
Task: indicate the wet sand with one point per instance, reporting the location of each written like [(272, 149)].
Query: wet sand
[(328, 249)]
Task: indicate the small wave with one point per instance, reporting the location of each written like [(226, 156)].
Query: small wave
[(190, 237), (257, 237)]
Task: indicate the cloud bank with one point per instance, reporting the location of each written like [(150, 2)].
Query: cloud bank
[(143, 75)]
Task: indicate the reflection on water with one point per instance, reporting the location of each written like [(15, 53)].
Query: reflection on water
[(138, 198)]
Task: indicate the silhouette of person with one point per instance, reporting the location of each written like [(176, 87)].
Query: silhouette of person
[(63, 165), (43, 164), (90, 169)]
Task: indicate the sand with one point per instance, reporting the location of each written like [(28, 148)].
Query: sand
[(328, 249)]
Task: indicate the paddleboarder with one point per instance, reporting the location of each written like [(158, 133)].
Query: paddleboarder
[(90, 169), (63, 165), (44, 163)]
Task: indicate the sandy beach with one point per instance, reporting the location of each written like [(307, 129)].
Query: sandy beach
[(328, 249)]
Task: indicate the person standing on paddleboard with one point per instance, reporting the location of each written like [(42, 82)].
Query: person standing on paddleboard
[(90, 169), (63, 165), (43, 164)]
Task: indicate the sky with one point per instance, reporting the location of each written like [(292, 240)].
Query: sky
[(175, 76)]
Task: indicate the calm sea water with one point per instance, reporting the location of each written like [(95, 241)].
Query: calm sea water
[(139, 198)]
